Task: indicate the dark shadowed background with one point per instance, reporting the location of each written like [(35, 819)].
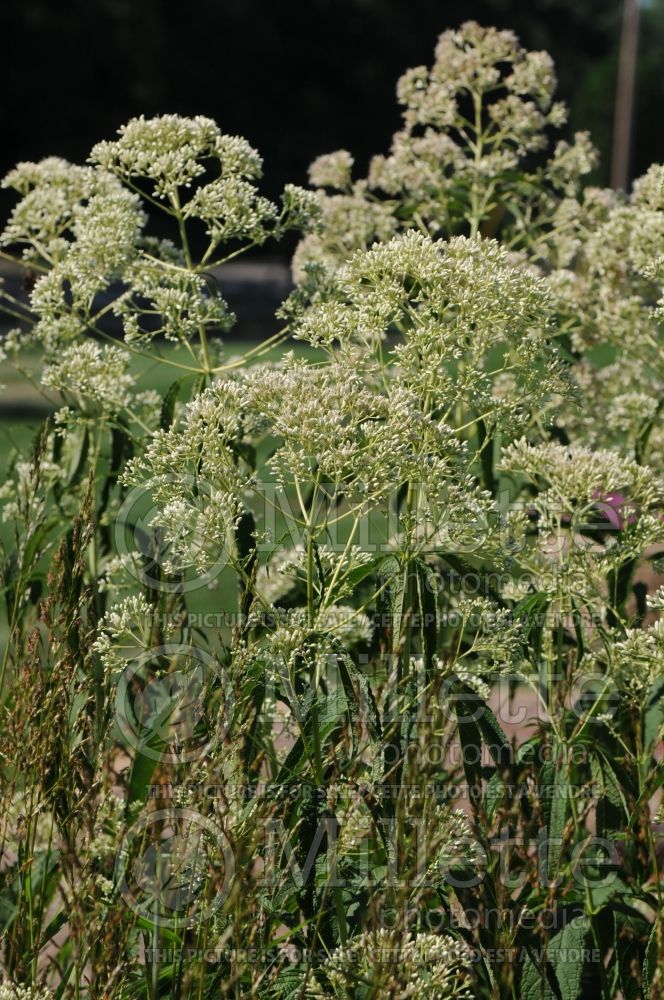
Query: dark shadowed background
[(296, 77)]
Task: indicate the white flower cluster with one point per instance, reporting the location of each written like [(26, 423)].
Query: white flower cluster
[(638, 662), (356, 823), (604, 250), (469, 123), (353, 438), (466, 315), (332, 170), (279, 578), (300, 208), (55, 195), (196, 531), (124, 633), (572, 475), (16, 991), (492, 634), (107, 832), (285, 574), (24, 495), (296, 638), (343, 430), (162, 299), (231, 209), (175, 153), (620, 403), (345, 623), (656, 600), (452, 841), (595, 510), (17, 806), (349, 220), (94, 377), (171, 150), (82, 227), (414, 965), (191, 474)]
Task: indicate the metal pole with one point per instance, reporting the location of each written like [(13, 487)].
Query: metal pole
[(624, 110)]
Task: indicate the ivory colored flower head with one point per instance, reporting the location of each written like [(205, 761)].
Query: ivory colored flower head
[(380, 963)]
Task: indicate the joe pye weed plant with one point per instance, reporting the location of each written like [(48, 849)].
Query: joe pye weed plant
[(267, 632)]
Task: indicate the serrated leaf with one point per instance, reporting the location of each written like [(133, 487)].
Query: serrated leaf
[(288, 984), (330, 709), (490, 729), (565, 953), (651, 957), (536, 983), (495, 793), (559, 792)]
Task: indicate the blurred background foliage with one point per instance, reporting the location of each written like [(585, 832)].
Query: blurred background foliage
[(297, 77)]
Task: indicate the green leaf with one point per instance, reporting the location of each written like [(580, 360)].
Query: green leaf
[(490, 729), (288, 984), (495, 793), (121, 450), (536, 984), (557, 812), (330, 711), (148, 925), (54, 925), (43, 869), (530, 612), (653, 713), (428, 613), (486, 457), (140, 777), (362, 708), (603, 893), (477, 724), (8, 905), (470, 738), (79, 466), (629, 963), (147, 755), (39, 536), (565, 953), (168, 405), (497, 743), (464, 567), (390, 607), (393, 581), (651, 957), (578, 629), (359, 573), (608, 786)]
